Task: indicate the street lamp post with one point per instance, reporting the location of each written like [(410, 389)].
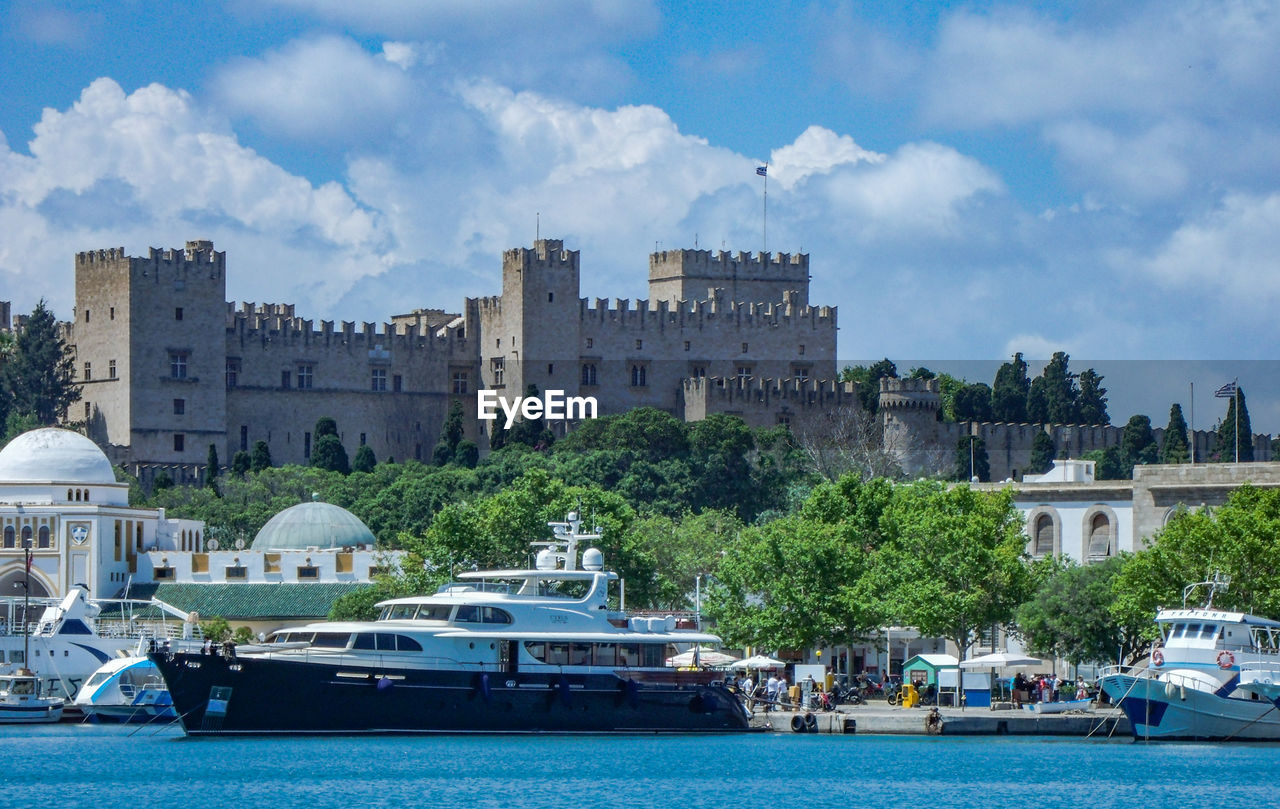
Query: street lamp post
[(26, 606), (971, 440)]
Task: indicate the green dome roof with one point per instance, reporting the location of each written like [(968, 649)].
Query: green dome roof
[(312, 525)]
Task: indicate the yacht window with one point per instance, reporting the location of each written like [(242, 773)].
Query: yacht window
[(558, 654), (1209, 631), (434, 612), (467, 614), (97, 678), (301, 637), (493, 615), (404, 643), (332, 640), (580, 654), (536, 649), (365, 640), (606, 654), (654, 654), (628, 654), (1193, 630), (401, 612)]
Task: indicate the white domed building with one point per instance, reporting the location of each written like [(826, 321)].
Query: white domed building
[(59, 496)]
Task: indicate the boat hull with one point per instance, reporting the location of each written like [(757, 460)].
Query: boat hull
[(215, 695), (30, 714), (1190, 714)]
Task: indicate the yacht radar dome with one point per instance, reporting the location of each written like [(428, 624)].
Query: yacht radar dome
[(592, 559)]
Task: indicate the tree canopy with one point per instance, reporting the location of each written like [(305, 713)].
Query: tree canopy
[(38, 376)]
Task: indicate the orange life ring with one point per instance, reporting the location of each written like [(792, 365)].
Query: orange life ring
[(1157, 657), (1226, 659)]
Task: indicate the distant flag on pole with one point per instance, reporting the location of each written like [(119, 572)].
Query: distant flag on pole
[(28, 561), (1226, 391), (763, 171)]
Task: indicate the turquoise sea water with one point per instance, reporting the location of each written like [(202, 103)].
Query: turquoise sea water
[(101, 767)]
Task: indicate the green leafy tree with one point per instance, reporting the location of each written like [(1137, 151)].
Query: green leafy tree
[(325, 425), (1042, 453), (1071, 615), (973, 403), (365, 460), (1060, 390), (1228, 434), (1038, 401), (1092, 399), (240, 464), (161, 481), (1175, 448), (328, 453), (1236, 540), (260, 458), (216, 629), (467, 455), (1109, 464), (951, 563), (868, 381), (451, 434), (38, 377), (971, 459), (1138, 444), (682, 550), (1009, 391)]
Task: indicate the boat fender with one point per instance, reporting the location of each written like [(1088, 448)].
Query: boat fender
[(384, 684), (484, 686), (1170, 689), (1226, 659), (1157, 657), (798, 725), (811, 723)]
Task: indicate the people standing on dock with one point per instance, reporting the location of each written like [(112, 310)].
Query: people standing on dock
[(771, 692), (782, 691), (748, 688)]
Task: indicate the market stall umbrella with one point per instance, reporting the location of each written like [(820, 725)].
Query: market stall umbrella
[(705, 657), (758, 662), (999, 660)]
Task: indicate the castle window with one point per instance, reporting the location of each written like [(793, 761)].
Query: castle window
[(698, 372), (744, 348), (177, 313), (88, 410), (306, 374), (686, 345), (306, 445), (1100, 537), (178, 364), (244, 437), (800, 372), (284, 379), (639, 376), (111, 369), (88, 372), (590, 342), (498, 366), (802, 349), (1044, 536), (179, 407), (551, 368), (397, 383), (551, 296), (112, 313), (498, 343), (743, 374), (378, 381), (588, 373), (639, 344), (233, 371), (784, 418), (460, 382), (179, 442), (86, 315), (362, 439)]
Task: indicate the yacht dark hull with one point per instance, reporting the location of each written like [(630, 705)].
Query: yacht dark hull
[(215, 695)]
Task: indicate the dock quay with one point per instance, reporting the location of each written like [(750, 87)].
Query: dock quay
[(886, 719)]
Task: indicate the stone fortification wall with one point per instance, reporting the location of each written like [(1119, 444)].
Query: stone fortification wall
[(767, 402), (688, 275), (1159, 490)]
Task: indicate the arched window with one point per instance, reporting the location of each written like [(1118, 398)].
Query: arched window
[(68, 494), (8, 536), (1044, 535), (26, 535), (42, 538), (1100, 534)]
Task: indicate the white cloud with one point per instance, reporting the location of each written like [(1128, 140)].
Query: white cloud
[(323, 88), (1229, 254), (817, 150)]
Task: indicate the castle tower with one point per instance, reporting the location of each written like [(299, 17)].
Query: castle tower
[(909, 421), (149, 337), (689, 275), (534, 339)]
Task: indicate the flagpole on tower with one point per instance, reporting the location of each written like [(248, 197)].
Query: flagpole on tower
[(763, 171)]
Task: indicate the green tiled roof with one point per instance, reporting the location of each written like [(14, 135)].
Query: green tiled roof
[(249, 602)]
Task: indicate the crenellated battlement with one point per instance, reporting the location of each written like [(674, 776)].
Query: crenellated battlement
[(910, 394), (545, 254), (701, 313), (278, 323), (677, 275), (766, 402)]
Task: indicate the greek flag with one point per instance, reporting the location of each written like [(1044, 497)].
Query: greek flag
[(1226, 391), (763, 171)]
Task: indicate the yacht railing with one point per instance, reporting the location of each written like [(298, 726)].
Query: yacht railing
[(1266, 672)]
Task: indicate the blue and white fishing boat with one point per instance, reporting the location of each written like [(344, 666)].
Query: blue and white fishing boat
[(1212, 676)]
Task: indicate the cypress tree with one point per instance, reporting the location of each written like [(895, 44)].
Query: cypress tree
[(1138, 444), (329, 454), (1060, 390), (325, 425), (260, 458), (240, 464), (451, 434), (212, 468), (1092, 399), (365, 460), (1227, 431), (38, 378), (1038, 401), (1042, 453), (1009, 391), (1175, 448)]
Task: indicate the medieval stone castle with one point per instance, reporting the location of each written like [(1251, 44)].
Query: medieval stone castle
[(168, 366)]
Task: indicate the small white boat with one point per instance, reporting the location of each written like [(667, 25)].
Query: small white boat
[(128, 689), (21, 701), (1062, 706)]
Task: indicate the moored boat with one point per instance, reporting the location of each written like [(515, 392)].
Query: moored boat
[(502, 651), (127, 689), (1211, 677), (22, 700)]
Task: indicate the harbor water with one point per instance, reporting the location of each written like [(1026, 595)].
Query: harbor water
[(106, 766)]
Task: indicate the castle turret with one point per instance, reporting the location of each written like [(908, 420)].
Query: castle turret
[(690, 275), (909, 421)]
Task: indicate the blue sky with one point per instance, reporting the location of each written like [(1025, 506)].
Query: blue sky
[(970, 179)]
